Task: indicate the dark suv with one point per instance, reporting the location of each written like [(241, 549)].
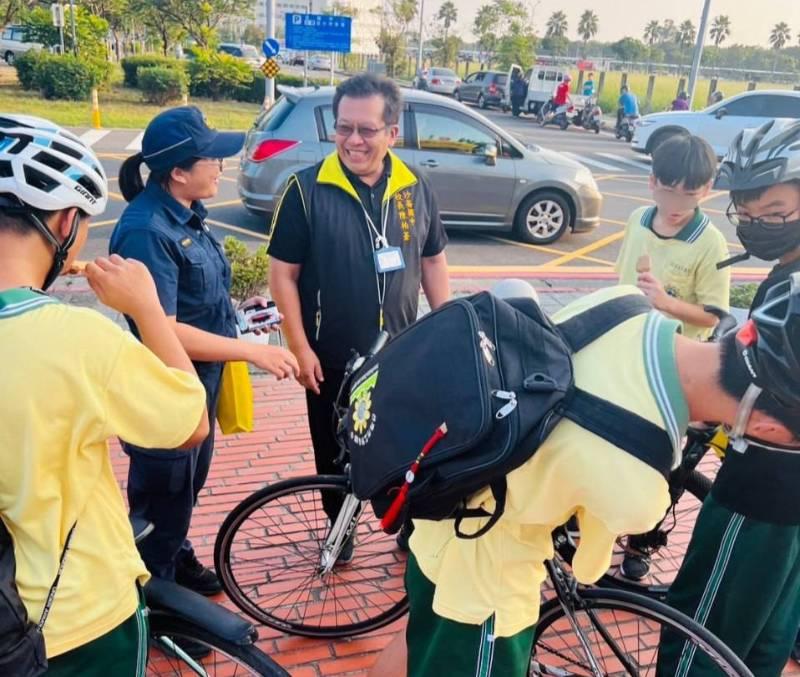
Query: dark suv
[(485, 88)]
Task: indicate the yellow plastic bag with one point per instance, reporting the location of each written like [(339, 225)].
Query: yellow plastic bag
[(235, 407)]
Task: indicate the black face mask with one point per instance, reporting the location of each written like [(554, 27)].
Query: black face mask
[(770, 243)]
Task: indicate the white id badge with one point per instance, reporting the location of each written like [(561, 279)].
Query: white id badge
[(388, 259)]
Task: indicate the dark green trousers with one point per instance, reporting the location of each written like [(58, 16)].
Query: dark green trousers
[(122, 652), (741, 580), (439, 647)]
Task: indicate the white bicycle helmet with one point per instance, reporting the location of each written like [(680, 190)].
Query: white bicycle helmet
[(514, 288), (48, 168)]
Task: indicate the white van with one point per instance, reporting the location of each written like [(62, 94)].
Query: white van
[(542, 82), (12, 43)]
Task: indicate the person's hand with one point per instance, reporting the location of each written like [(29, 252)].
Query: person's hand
[(310, 370), (276, 360), (654, 291), (76, 268), (123, 284)]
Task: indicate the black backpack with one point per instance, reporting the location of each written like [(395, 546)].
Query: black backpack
[(22, 650), (467, 394)]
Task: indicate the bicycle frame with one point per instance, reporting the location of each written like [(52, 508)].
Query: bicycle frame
[(342, 528)]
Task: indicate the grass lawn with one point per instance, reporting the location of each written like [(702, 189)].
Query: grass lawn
[(120, 107)]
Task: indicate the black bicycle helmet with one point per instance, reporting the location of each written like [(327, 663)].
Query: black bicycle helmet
[(772, 352), (762, 157)]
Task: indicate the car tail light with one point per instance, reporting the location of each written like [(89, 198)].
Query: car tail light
[(436, 81), (493, 88), (269, 148)]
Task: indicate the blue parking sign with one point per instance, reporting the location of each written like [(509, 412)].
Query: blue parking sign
[(270, 47), (319, 32)]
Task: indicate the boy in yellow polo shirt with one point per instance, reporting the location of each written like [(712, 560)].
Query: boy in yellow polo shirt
[(71, 380), (671, 250)]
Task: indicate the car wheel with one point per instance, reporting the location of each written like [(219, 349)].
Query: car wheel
[(629, 136), (481, 102), (9, 57), (542, 218)]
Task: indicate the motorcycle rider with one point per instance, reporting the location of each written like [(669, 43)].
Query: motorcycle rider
[(681, 103), (628, 105)]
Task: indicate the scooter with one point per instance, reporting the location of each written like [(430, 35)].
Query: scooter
[(556, 115), (626, 127), (590, 117)]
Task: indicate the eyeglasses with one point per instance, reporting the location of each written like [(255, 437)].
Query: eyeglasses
[(776, 221), (220, 162), (345, 130)]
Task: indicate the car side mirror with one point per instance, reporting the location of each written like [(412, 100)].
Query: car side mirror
[(721, 113), (489, 152)]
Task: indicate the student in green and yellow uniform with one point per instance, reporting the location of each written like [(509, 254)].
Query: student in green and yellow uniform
[(71, 380)]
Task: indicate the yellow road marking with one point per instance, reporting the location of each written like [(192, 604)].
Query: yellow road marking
[(226, 203), (540, 248), (562, 270), (236, 229), (116, 196), (100, 224), (594, 246)]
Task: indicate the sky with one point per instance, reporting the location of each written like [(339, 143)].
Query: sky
[(751, 20)]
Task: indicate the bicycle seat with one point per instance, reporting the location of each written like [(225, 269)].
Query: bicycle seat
[(726, 323), (171, 597)]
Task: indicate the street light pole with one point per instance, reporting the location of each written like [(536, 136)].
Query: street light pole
[(269, 83), (72, 18), (421, 39), (698, 51)]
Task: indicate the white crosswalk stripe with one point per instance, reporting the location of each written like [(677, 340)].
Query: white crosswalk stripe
[(136, 144), (590, 162), (92, 136), (641, 165)]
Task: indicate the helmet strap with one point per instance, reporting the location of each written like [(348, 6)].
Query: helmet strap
[(61, 248), (743, 414)]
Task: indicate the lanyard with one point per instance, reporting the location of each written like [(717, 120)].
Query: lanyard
[(378, 243)]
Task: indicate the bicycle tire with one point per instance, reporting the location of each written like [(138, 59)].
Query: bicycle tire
[(246, 656), (624, 602), (293, 557)]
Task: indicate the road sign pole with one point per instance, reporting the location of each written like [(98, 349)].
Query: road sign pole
[(269, 83), (421, 39), (698, 51), (72, 20), (333, 54)]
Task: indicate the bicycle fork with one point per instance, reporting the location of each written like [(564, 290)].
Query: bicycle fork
[(342, 529)]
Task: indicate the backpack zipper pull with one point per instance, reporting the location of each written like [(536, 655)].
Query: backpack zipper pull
[(511, 403), (487, 347)]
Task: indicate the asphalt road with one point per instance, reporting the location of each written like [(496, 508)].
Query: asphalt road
[(622, 176)]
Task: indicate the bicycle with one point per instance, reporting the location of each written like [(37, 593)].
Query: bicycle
[(191, 635)]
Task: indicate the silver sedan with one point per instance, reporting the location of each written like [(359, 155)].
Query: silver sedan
[(483, 177)]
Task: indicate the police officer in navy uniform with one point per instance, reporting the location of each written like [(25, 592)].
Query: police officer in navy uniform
[(353, 239), (164, 227)]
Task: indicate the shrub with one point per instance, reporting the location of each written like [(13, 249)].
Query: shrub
[(254, 92), (132, 64), (67, 77), (742, 295), (28, 65), (217, 75), (248, 270), (160, 85)]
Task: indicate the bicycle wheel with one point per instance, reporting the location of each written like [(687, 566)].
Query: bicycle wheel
[(621, 632), (267, 556), (225, 658)]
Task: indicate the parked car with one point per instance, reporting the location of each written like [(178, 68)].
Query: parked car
[(246, 53), (438, 80), (483, 177), (719, 123), (318, 62), (13, 43), (484, 88), (542, 82)]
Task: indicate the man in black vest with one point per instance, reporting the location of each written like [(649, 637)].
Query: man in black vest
[(352, 239)]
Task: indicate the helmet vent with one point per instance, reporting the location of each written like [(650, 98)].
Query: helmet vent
[(90, 185), (39, 180), (6, 170), (61, 148), (51, 161)]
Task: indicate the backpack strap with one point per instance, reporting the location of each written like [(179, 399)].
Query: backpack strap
[(499, 488), (582, 329), (622, 428), (52, 594)]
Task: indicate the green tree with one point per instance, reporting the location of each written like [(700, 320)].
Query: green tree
[(391, 45), (13, 9), (447, 16), (201, 18), (169, 31), (780, 35), (503, 28), (557, 25), (685, 38), (90, 31), (447, 49), (652, 32), (588, 27), (557, 45), (629, 49), (720, 29), (668, 32)]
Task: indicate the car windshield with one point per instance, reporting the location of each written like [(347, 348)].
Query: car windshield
[(443, 71), (249, 52), (502, 79)]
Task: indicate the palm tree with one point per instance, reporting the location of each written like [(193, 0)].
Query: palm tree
[(448, 15), (668, 32), (780, 35), (685, 37), (720, 29), (587, 27), (557, 25), (652, 31)]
